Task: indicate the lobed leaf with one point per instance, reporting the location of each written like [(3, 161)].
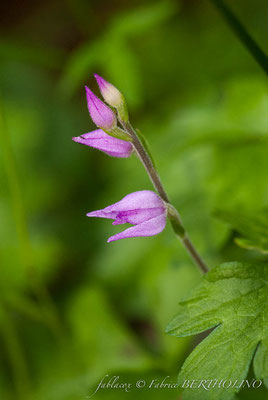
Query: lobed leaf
[(232, 298)]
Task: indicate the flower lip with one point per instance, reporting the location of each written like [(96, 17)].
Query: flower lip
[(100, 113), (100, 140), (110, 93), (143, 209)]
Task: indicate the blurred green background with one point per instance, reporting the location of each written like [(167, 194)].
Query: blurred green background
[(72, 307)]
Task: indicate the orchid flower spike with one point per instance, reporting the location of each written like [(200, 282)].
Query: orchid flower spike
[(144, 209), (100, 140), (100, 113), (113, 97)]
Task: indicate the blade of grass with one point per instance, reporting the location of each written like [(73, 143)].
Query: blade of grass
[(241, 32), (16, 357)]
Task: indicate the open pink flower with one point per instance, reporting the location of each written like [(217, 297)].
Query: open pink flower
[(144, 209), (102, 141)]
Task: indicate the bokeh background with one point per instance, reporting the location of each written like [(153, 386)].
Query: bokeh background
[(72, 307)]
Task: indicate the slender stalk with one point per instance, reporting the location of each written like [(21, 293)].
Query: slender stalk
[(173, 214), (194, 254), (241, 32), (148, 164)]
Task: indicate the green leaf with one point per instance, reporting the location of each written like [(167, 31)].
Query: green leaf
[(141, 19), (253, 228), (112, 53), (261, 362), (232, 298)]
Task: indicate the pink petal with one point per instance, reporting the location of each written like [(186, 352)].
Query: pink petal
[(137, 216), (143, 199), (148, 228), (100, 113), (102, 83), (100, 140), (102, 214)]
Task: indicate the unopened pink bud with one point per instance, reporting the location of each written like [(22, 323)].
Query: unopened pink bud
[(113, 97), (100, 113), (110, 93)]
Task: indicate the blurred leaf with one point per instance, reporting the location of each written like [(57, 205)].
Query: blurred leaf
[(22, 304), (234, 133), (112, 52), (253, 228), (137, 21), (167, 273), (79, 66), (105, 344), (23, 52), (233, 299), (121, 66)]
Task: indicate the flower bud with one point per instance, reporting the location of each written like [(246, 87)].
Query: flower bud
[(113, 97), (100, 113)]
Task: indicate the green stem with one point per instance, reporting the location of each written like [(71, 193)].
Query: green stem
[(48, 310), (15, 354), (173, 214), (241, 32)]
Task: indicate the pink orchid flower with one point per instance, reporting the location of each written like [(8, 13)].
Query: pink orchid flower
[(143, 209)]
